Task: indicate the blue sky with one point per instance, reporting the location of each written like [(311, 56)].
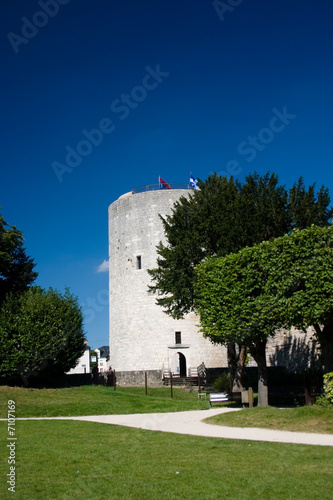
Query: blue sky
[(174, 86)]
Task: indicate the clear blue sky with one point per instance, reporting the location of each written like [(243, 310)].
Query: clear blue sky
[(176, 87)]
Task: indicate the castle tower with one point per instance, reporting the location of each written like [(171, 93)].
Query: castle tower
[(142, 337)]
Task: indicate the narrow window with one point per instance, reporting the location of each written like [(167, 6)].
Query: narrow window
[(138, 261), (178, 337)]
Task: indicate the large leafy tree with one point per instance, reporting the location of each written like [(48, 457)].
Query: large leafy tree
[(233, 306), (223, 217), (41, 335), (306, 207), (245, 297), (16, 268), (301, 273)]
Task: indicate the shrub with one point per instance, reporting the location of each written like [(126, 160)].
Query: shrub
[(222, 383), (327, 398), (328, 387)]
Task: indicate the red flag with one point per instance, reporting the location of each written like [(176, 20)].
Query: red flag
[(164, 185)]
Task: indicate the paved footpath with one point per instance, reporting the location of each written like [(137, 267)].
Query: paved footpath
[(191, 422)]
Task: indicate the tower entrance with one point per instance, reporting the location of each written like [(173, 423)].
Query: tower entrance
[(178, 365)]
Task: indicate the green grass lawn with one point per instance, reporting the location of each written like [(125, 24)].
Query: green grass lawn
[(301, 419), (75, 460), (95, 400), (100, 400)]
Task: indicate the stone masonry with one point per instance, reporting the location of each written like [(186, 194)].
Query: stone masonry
[(142, 336)]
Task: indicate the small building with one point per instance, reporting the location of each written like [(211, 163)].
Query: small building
[(83, 363), (103, 354)]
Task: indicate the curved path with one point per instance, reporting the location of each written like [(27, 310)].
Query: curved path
[(191, 422)]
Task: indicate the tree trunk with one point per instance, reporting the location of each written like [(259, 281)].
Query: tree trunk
[(236, 364), (258, 351), (231, 353), (325, 338), (240, 367)]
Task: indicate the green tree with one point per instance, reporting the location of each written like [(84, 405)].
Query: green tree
[(302, 273), (16, 268), (223, 217), (307, 207), (327, 398), (234, 306), (285, 282), (41, 335)]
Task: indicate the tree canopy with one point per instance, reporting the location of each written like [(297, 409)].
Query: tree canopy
[(301, 273), (288, 281), (234, 305), (224, 217), (41, 335), (16, 268)]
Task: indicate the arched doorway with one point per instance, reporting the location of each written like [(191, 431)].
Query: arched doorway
[(178, 365), (182, 365)]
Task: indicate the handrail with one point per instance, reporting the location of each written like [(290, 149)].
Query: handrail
[(159, 187)]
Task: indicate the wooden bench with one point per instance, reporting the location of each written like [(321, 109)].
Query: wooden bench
[(217, 398)]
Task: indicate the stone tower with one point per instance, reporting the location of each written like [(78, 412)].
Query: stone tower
[(142, 337)]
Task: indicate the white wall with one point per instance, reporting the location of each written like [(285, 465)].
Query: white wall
[(83, 364), (141, 334)]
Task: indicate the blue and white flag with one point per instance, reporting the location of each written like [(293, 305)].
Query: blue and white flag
[(194, 183)]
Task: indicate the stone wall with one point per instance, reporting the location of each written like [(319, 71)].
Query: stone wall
[(142, 336), (137, 378), (295, 350)]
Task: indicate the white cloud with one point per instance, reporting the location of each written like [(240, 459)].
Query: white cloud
[(104, 267)]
